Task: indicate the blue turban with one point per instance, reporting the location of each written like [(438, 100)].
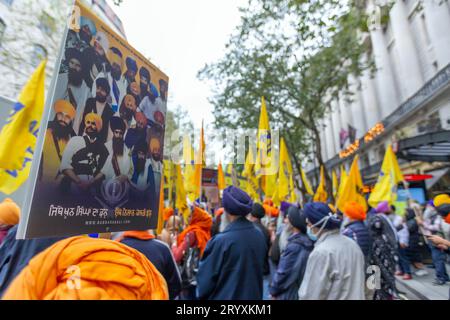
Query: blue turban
[(88, 22), (284, 207), (236, 202), (131, 64), (319, 213)]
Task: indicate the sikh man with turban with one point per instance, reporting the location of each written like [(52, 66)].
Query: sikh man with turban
[(139, 132), (82, 40), (84, 156), (57, 137), (127, 109), (189, 248), (96, 59), (233, 262), (99, 105), (82, 268), (71, 86), (143, 178), (132, 68), (335, 269), (355, 227)]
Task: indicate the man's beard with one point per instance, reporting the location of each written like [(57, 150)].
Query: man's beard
[(129, 78), (224, 222), (92, 134), (140, 165), (101, 99), (85, 37), (61, 131), (75, 77), (118, 146), (126, 114), (116, 73)]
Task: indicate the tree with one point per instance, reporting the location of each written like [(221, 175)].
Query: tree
[(299, 55), (33, 34)]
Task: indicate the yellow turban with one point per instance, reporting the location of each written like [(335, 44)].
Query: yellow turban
[(63, 106), (113, 57), (441, 199), (81, 268), (9, 213), (155, 145), (93, 117)]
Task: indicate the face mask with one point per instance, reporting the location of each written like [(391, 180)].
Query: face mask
[(311, 235)]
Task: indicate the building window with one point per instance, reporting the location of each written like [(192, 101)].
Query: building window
[(381, 152), (2, 30), (7, 2), (47, 23), (39, 54)]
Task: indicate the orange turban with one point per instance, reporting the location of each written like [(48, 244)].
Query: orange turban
[(9, 213), (167, 213), (141, 118), (63, 106), (354, 211), (201, 224), (82, 268), (155, 145), (268, 202), (219, 212), (93, 117)]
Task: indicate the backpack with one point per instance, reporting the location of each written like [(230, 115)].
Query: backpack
[(189, 267)]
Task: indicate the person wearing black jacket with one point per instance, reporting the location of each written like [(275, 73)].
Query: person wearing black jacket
[(256, 215)]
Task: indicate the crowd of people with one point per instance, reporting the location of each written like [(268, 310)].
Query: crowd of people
[(245, 251)]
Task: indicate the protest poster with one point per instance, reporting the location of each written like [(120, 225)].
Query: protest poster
[(98, 165)]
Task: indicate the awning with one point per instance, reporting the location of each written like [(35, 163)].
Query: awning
[(430, 147)]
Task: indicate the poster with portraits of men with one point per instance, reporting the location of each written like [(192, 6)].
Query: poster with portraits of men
[(101, 164)]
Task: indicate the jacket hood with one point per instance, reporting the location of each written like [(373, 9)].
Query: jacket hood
[(302, 240)]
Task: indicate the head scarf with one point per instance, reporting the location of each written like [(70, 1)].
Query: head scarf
[(200, 225), (140, 235), (236, 202), (321, 216), (258, 211), (107, 270), (167, 213), (93, 117), (116, 123), (63, 106), (354, 211), (9, 213), (297, 219), (383, 207)]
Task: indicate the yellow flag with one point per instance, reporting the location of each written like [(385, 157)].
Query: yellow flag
[(160, 226), (199, 163), (353, 188), (181, 202), (249, 174), (335, 184), (265, 170), (220, 178), (390, 177), (229, 175), (285, 187), (306, 183), (342, 182), (169, 175), (18, 136), (321, 194), (189, 168)]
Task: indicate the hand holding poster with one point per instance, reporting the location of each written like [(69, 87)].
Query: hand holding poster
[(102, 150)]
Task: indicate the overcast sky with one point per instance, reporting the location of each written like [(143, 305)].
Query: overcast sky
[(180, 37)]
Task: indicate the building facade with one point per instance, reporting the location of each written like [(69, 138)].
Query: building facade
[(406, 102), (31, 30)]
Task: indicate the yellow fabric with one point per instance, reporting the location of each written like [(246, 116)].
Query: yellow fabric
[(285, 186), (82, 268), (189, 168), (63, 106), (9, 213), (390, 177), (220, 178), (265, 169), (199, 162), (342, 181), (229, 175), (93, 117), (353, 188), (249, 174), (169, 177), (180, 201), (321, 194), (335, 184), (441, 199), (306, 183), (19, 134), (51, 160)]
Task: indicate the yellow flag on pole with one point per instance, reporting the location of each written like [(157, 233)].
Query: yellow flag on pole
[(249, 174), (181, 202), (353, 188), (306, 183), (265, 170), (189, 168), (18, 136), (342, 181), (199, 163), (220, 178), (335, 184), (390, 177), (285, 186), (321, 194)]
